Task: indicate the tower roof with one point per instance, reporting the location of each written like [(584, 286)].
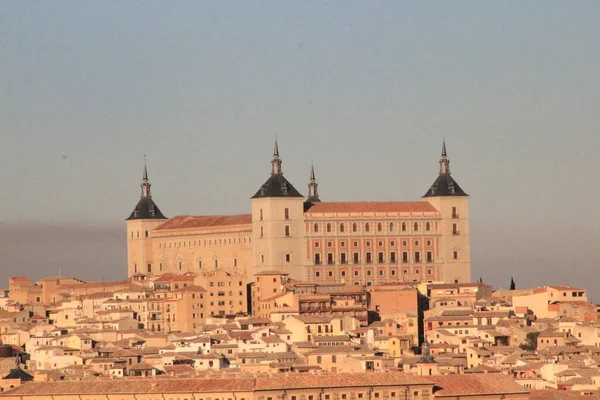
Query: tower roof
[(276, 185), (146, 208), (444, 185)]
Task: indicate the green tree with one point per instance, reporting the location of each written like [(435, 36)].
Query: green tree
[(530, 341)]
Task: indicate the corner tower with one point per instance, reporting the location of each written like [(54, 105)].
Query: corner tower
[(278, 224), (453, 204), (143, 219)]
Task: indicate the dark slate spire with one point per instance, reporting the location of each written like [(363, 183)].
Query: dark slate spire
[(276, 162), (313, 186), (444, 185), (146, 208), (276, 185)]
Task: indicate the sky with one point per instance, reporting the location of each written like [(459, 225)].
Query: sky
[(364, 90)]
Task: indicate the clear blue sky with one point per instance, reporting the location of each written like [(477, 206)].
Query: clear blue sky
[(366, 89)]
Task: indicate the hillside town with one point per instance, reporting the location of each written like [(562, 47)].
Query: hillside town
[(212, 336)]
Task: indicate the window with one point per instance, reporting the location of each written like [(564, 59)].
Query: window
[(287, 213), (379, 227), (405, 256), (393, 257), (329, 244), (354, 227), (216, 264), (316, 228), (330, 273), (393, 272), (428, 243), (342, 244), (355, 244), (454, 213), (317, 244), (369, 257), (417, 243), (429, 256), (367, 227), (392, 243), (380, 243), (199, 265), (288, 257), (341, 227), (404, 227), (369, 273), (262, 232), (455, 228), (455, 255), (146, 234), (317, 274), (287, 231), (355, 258), (380, 272), (380, 257), (180, 264), (416, 227), (428, 226), (417, 257), (429, 272), (355, 273), (391, 227), (319, 359), (317, 258), (261, 214), (343, 258), (262, 258), (149, 267), (343, 273), (328, 228), (368, 243), (330, 258), (235, 262)]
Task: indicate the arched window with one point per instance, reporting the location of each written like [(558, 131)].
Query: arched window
[(391, 227), (328, 228), (404, 227), (316, 228), (354, 227), (341, 227), (379, 227), (367, 227), (428, 226), (416, 227), (146, 233)]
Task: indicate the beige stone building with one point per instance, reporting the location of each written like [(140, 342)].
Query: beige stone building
[(357, 243)]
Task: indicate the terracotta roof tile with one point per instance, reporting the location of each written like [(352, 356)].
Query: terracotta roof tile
[(474, 384), (203, 221)]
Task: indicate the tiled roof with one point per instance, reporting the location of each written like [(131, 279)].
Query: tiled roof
[(146, 208), (276, 186), (338, 380), (203, 221), (445, 185), (371, 207), (474, 384)]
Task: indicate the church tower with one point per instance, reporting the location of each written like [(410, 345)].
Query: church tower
[(143, 219), (453, 203), (278, 224)]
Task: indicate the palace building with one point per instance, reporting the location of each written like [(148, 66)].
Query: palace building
[(357, 243)]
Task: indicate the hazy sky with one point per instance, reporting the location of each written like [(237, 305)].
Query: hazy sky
[(365, 89)]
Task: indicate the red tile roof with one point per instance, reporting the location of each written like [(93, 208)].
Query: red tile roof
[(371, 207), (474, 384), (205, 221)]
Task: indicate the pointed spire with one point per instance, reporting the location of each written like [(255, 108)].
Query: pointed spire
[(313, 187), (145, 182), (145, 177), (444, 161), (512, 284), (276, 162)]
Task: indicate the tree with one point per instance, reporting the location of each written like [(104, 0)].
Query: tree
[(530, 341), (512, 284)]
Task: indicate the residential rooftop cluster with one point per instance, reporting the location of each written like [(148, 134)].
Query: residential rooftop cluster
[(168, 334)]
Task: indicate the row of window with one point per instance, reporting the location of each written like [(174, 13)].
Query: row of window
[(180, 265), (194, 243), (380, 243), (368, 258), (370, 273), (366, 227)]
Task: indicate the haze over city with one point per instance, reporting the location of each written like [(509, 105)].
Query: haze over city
[(365, 91)]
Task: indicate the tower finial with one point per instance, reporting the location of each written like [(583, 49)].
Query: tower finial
[(444, 161), (145, 182), (145, 177), (276, 162), (313, 192)]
